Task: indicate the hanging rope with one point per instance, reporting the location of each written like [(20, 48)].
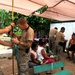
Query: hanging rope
[(12, 36)]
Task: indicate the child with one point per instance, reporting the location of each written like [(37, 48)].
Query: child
[(34, 61)]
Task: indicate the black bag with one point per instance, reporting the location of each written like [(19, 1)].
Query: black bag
[(27, 50), (61, 43)]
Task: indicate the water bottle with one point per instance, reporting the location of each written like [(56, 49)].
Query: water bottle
[(40, 61)]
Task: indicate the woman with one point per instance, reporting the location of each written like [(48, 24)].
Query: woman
[(41, 52), (34, 61), (71, 46)]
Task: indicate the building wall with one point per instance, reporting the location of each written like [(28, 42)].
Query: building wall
[(69, 28)]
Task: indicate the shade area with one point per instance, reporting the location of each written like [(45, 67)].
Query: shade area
[(62, 10), (21, 6)]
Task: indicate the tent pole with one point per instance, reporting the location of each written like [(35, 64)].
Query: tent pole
[(12, 36)]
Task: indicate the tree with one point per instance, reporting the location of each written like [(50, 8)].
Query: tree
[(39, 24), (4, 18)]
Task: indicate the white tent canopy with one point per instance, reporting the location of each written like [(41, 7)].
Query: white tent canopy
[(63, 10), (21, 6)]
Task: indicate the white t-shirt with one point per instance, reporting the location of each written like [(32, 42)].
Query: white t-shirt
[(40, 56), (59, 37), (52, 32)]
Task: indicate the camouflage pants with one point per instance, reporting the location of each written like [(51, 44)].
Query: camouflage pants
[(23, 63), (58, 49), (1, 73), (51, 43)]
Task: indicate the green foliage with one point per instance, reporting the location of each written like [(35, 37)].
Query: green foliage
[(4, 18), (19, 33), (42, 9), (39, 24)]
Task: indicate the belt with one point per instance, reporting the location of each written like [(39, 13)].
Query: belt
[(26, 50), (21, 49)]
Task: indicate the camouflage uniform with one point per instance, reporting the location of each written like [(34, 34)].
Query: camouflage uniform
[(23, 56), (52, 38), (51, 43), (1, 73), (59, 48)]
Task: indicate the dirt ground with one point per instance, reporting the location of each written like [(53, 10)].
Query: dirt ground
[(6, 65)]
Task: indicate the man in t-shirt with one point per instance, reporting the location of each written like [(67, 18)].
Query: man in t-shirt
[(24, 43), (59, 41)]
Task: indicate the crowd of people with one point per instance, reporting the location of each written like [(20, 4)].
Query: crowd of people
[(23, 42), (39, 55), (32, 53), (57, 43)]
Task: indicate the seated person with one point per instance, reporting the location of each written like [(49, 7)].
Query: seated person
[(34, 61), (71, 46), (33, 58), (41, 52)]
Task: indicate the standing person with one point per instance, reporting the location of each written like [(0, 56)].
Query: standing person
[(5, 30), (52, 35), (24, 43), (59, 41), (64, 46)]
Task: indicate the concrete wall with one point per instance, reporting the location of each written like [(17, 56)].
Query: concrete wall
[(69, 28)]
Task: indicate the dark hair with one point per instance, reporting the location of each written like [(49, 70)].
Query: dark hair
[(62, 28), (73, 34), (42, 42), (56, 28), (34, 44), (21, 21)]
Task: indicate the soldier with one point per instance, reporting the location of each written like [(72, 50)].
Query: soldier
[(24, 43), (52, 37), (59, 42)]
